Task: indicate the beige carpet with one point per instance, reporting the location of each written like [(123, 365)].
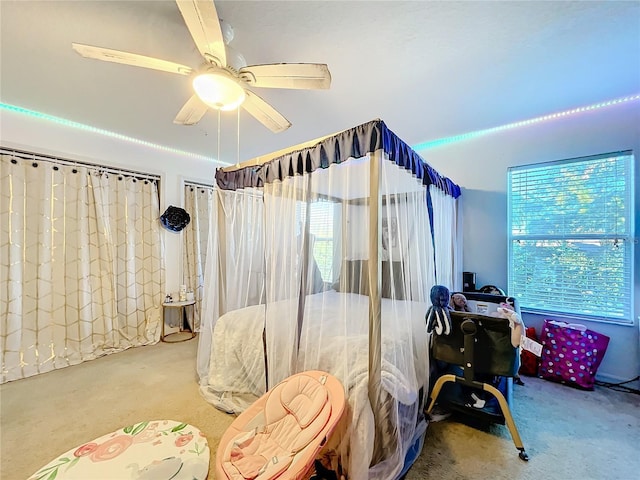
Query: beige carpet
[(569, 434)]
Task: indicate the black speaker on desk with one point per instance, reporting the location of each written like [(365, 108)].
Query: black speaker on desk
[(468, 281)]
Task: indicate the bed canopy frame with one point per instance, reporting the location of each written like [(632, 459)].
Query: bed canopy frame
[(395, 234)]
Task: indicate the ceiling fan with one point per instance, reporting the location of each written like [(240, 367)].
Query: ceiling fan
[(219, 83)]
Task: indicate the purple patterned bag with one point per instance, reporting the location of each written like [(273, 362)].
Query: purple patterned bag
[(571, 353)]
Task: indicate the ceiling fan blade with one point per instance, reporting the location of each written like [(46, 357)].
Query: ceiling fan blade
[(127, 58), (191, 112), (202, 21), (265, 113), (306, 76)]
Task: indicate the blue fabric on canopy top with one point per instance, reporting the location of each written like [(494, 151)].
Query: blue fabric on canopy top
[(355, 142)]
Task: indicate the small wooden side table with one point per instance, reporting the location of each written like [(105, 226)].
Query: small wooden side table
[(175, 336)]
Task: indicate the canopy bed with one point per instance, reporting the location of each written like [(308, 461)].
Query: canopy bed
[(321, 257)]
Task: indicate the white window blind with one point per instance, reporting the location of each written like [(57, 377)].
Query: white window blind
[(570, 229), (322, 228)]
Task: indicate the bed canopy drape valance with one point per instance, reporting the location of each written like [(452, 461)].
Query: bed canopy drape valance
[(355, 142), (321, 257)]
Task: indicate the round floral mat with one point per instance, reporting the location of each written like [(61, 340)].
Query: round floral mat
[(154, 450)]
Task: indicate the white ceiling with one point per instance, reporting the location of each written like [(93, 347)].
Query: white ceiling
[(429, 69)]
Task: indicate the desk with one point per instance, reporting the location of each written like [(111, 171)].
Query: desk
[(175, 336), (148, 450)]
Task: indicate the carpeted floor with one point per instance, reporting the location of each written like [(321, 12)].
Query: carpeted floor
[(568, 433)]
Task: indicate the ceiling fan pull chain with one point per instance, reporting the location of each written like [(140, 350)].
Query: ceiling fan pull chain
[(238, 142), (218, 154)]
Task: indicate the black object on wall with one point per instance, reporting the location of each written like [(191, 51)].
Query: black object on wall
[(468, 281), (175, 218)]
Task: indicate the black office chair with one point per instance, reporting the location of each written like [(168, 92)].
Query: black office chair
[(481, 345)]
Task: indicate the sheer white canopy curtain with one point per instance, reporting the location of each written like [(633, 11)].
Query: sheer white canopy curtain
[(322, 257), (81, 272), (235, 269), (447, 230)]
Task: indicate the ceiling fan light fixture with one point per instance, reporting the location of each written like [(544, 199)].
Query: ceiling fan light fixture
[(219, 90)]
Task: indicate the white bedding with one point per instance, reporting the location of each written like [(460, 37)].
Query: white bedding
[(341, 320)]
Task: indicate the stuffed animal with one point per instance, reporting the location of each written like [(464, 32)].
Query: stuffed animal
[(459, 303), (437, 316)]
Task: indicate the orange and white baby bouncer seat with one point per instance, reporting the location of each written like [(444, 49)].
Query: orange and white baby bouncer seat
[(280, 434)]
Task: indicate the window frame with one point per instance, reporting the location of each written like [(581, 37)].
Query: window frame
[(627, 237)]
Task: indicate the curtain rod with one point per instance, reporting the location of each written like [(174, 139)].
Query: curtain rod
[(189, 183), (49, 158)]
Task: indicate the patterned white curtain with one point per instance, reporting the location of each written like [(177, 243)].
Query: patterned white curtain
[(198, 200), (81, 272)]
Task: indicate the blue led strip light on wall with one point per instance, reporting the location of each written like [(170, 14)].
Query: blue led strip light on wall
[(106, 133), (421, 146), (467, 136)]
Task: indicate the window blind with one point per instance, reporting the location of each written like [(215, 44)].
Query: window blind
[(322, 228), (570, 236)]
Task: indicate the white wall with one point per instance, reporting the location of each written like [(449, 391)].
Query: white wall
[(479, 166), (41, 136)]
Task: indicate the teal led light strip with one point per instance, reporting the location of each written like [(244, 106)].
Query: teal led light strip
[(467, 136), (88, 128)]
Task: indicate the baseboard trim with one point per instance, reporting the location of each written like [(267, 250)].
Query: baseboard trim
[(605, 377)]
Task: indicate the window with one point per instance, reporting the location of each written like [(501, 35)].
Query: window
[(322, 228), (570, 236)]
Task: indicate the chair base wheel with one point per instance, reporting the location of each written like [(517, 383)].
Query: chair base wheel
[(523, 455)]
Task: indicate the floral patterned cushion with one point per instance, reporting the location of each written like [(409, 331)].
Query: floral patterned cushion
[(153, 450)]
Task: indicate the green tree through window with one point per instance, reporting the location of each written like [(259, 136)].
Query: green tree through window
[(570, 236)]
